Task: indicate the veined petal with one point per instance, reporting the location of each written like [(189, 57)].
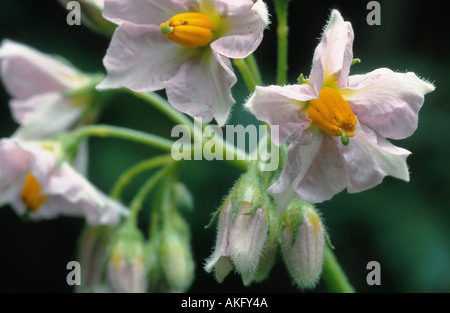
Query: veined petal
[(141, 59), (369, 158), (387, 102), (143, 12), (282, 106), (333, 56), (246, 29), (316, 171), (44, 115), (26, 72), (202, 88)]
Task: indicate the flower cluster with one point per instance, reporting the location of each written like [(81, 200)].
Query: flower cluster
[(334, 131)]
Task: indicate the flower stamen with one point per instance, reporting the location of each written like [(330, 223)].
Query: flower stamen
[(332, 114), (189, 29), (31, 193)]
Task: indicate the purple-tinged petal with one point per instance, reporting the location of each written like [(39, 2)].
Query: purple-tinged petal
[(142, 59), (282, 106), (333, 56), (316, 171), (245, 33), (387, 102), (369, 158), (202, 88), (44, 116), (26, 72), (143, 12)]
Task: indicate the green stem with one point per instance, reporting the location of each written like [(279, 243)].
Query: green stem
[(254, 68), (138, 200), (333, 275), (129, 174), (281, 8), (122, 133), (246, 73), (162, 105)]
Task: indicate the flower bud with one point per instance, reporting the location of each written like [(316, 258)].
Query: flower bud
[(126, 265), (183, 196), (247, 233), (175, 253), (302, 243), (92, 250)]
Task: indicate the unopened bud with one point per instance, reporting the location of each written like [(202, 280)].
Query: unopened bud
[(247, 233), (302, 243), (126, 265), (91, 254), (176, 256)]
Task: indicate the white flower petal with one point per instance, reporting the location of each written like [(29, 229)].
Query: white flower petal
[(202, 88), (141, 59), (26, 72), (388, 102), (246, 32), (284, 107), (369, 158), (44, 116), (334, 55), (143, 12)]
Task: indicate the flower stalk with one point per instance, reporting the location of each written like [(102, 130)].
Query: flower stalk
[(333, 275)]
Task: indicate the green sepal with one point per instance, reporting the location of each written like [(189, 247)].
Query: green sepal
[(213, 218)]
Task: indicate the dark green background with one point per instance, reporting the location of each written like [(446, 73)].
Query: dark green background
[(403, 226)]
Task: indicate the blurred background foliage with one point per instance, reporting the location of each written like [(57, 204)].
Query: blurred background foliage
[(403, 226)]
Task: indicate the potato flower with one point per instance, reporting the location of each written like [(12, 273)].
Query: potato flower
[(37, 185), (338, 124), (183, 46)]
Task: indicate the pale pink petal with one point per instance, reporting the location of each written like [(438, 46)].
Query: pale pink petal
[(202, 88), (44, 116), (334, 55), (245, 34), (13, 163), (144, 12), (219, 260), (282, 106), (26, 72), (70, 194), (141, 59), (316, 171), (387, 102), (369, 158)]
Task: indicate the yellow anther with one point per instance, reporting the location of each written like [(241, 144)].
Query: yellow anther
[(189, 29), (332, 114), (31, 193)]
